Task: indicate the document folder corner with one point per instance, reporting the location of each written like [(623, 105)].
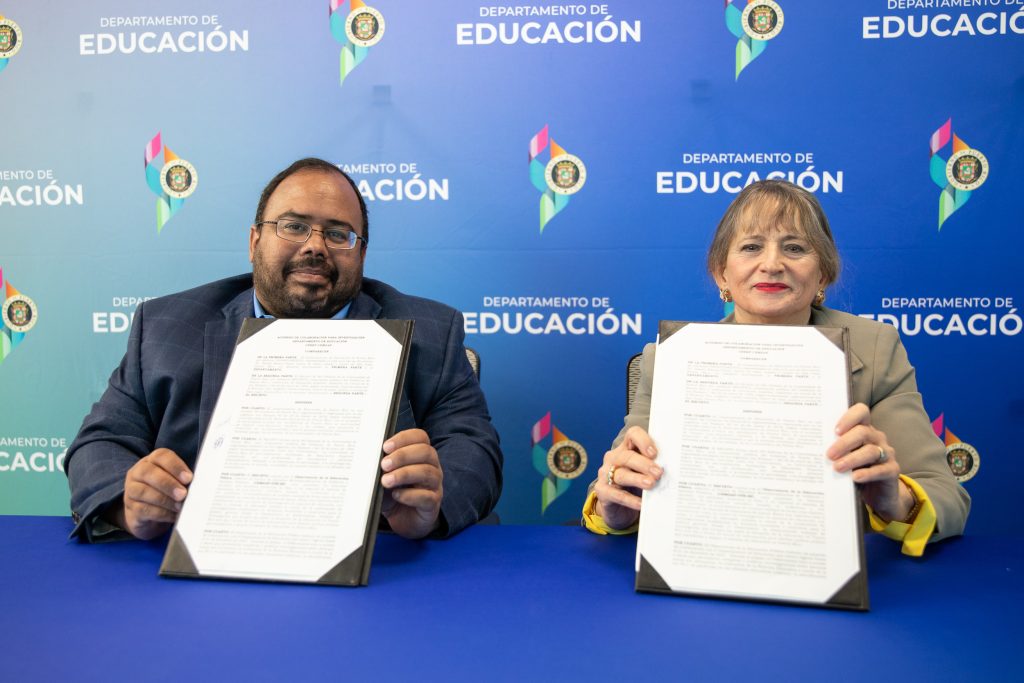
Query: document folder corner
[(648, 579), (853, 595), (666, 328), (354, 570), (401, 330), (250, 326), (177, 558)]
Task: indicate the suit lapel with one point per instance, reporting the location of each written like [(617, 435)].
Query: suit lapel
[(820, 316), (366, 308), (219, 344)]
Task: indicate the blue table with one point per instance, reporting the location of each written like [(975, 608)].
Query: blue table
[(495, 603)]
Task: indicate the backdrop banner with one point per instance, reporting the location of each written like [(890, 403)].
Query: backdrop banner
[(554, 170)]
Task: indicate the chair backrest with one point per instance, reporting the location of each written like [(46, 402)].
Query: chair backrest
[(474, 361), (632, 379)]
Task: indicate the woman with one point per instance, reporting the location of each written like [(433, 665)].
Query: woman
[(773, 256)]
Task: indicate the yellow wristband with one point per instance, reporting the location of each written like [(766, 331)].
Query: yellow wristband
[(595, 523), (913, 534)]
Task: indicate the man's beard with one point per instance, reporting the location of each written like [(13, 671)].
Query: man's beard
[(282, 299)]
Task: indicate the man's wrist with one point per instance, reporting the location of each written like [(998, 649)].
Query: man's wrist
[(114, 514)]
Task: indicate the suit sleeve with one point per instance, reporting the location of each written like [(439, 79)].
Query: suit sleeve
[(898, 410), (460, 429), (115, 434)]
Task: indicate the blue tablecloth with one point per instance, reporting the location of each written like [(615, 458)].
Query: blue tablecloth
[(495, 603)]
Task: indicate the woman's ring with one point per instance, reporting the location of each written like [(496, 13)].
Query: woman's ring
[(882, 455), (611, 475)]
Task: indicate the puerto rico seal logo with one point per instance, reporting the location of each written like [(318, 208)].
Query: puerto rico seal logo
[(364, 26), (562, 176), (963, 460), (559, 463), (753, 23), (357, 28), (178, 178), (762, 20), (962, 457), (565, 174), (10, 38), (567, 459), (967, 170), (20, 313), (170, 178), (957, 177)]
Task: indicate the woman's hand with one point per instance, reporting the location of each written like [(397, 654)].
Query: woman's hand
[(626, 471), (866, 452)]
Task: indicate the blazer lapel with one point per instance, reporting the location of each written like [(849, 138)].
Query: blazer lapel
[(820, 316), (219, 344), (366, 308)]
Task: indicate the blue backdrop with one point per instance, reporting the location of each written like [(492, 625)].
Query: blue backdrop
[(669, 107)]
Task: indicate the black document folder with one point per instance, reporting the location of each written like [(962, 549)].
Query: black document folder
[(183, 557), (737, 545)]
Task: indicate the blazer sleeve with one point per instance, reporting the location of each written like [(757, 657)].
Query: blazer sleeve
[(898, 410), (460, 429), (115, 434), (640, 410)]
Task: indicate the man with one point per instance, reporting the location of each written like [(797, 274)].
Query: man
[(130, 465)]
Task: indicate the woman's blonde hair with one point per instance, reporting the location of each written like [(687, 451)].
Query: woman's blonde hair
[(769, 205)]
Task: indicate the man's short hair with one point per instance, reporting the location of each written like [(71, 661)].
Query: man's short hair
[(312, 164)]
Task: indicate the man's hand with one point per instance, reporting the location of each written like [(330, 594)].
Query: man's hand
[(154, 489), (412, 483)]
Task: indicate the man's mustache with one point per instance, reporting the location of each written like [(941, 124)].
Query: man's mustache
[(314, 265)]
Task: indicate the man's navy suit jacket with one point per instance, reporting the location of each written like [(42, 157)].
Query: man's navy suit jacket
[(163, 393)]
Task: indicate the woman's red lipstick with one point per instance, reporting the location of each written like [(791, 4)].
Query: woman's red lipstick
[(770, 287)]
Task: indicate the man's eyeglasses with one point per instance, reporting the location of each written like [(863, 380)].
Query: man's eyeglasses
[(297, 231)]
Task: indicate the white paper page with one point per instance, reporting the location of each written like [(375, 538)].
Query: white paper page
[(749, 506), (287, 471)]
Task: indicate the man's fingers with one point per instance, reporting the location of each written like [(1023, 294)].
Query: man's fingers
[(413, 483), (405, 438), (423, 500), (414, 454), (422, 476), (138, 494), (168, 461), (143, 513), (151, 476), (154, 488)]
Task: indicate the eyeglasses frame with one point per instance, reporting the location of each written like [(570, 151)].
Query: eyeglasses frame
[(310, 234)]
